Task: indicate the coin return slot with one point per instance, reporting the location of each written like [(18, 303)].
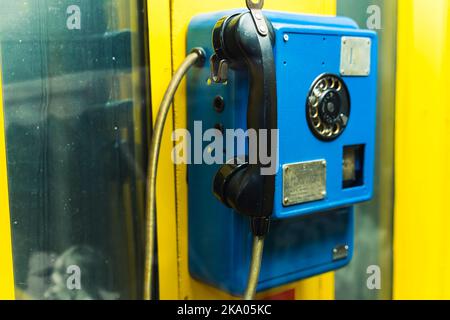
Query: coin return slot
[(353, 166)]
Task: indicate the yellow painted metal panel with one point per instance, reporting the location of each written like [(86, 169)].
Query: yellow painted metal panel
[(159, 26), (422, 214), (175, 281), (6, 260), (316, 288)]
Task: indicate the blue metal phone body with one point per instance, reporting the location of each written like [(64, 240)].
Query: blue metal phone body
[(304, 237)]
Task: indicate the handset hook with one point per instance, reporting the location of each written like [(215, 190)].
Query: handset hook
[(255, 4), (255, 8)]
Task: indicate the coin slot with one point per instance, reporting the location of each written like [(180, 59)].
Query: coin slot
[(353, 166)]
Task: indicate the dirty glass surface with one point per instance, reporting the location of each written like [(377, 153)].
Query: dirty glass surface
[(369, 276), (75, 112)]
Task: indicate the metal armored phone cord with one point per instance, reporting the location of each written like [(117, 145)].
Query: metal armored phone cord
[(196, 57), (255, 268)]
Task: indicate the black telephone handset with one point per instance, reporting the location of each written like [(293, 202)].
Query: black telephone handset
[(245, 41)]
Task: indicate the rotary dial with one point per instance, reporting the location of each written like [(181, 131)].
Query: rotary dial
[(328, 107)]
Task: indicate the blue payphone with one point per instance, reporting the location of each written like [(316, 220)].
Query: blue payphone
[(310, 83)]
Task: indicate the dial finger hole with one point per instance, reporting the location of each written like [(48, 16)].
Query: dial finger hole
[(337, 129), (317, 92), (313, 101), (323, 85), (333, 81), (330, 82), (314, 112), (316, 103), (317, 123)]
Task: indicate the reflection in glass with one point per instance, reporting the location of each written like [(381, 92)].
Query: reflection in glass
[(75, 114)]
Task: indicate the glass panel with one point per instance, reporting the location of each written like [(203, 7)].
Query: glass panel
[(75, 113), (373, 229)]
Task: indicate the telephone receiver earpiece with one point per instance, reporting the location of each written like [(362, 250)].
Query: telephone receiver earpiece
[(245, 42)]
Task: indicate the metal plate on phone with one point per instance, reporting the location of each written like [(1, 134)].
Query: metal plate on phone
[(341, 252), (304, 182), (356, 56)]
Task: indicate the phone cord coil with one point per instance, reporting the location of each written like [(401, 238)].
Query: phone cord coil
[(196, 57)]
